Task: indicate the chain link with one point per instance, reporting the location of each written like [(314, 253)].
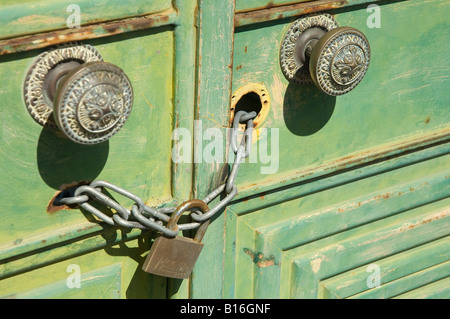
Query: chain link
[(145, 217)]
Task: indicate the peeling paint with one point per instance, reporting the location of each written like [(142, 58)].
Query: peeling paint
[(315, 265), (94, 31), (260, 260), (279, 12)]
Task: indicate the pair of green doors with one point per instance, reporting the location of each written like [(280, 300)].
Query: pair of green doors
[(341, 197)]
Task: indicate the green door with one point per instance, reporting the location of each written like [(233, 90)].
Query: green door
[(341, 196), (49, 251), (346, 196)]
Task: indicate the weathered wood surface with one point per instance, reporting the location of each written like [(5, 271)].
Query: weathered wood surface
[(361, 179)]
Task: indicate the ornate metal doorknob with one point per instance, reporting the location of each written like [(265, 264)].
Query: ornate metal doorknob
[(316, 50), (71, 88)]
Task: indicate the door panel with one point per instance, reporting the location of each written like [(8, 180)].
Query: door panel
[(354, 199), (39, 161), (286, 250), (360, 189), (38, 240), (18, 18), (321, 134), (106, 271)]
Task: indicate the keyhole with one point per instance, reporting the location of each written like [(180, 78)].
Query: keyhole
[(249, 102), (251, 97)]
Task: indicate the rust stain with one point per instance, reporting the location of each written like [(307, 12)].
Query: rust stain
[(34, 18), (51, 208), (408, 226), (239, 67), (260, 260), (245, 50), (271, 12), (383, 196), (92, 31), (427, 120), (269, 5)]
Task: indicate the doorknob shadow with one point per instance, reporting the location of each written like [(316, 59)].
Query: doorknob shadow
[(306, 109), (61, 161)]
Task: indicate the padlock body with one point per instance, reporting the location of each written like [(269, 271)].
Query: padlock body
[(172, 257)]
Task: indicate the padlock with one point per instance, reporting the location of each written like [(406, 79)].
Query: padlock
[(175, 257)]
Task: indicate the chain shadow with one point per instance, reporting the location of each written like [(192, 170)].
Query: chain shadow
[(142, 284), (117, 238), (117, 241), (306, 109)]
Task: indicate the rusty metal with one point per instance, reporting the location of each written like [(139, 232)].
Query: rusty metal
[(41, 40), (145, 217), (286, 11)]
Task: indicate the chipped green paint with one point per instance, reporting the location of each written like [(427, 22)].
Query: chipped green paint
[(160, 63), (363, 178), (31, 16), (259, 259)]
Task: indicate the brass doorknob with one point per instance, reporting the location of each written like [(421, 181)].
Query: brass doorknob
[(316, 50), (71, 88)]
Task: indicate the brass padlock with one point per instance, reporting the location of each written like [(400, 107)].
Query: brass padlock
[(176, 257)]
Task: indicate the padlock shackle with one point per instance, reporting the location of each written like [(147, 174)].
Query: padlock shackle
[(201, 231), (186, 206)]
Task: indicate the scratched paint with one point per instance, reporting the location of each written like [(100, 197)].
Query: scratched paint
[(38, 16), (260, 260)]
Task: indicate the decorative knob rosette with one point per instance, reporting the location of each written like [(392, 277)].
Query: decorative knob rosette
[(71, 88), (316, 50)]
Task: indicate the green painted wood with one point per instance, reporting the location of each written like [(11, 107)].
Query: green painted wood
[(324, 258), (361, 179), (185, 34), (31, 16), (102, 271), (250, 5), (316, 130), (103, 283), (36, 161), (318, 179), (214, 61), (160, 63), (59, 249), (257, 11), (259, 243), (436, 290), (418, 280), (247, 5), (398, 274)]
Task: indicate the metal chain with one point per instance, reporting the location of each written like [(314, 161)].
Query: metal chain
[(145, 217)]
